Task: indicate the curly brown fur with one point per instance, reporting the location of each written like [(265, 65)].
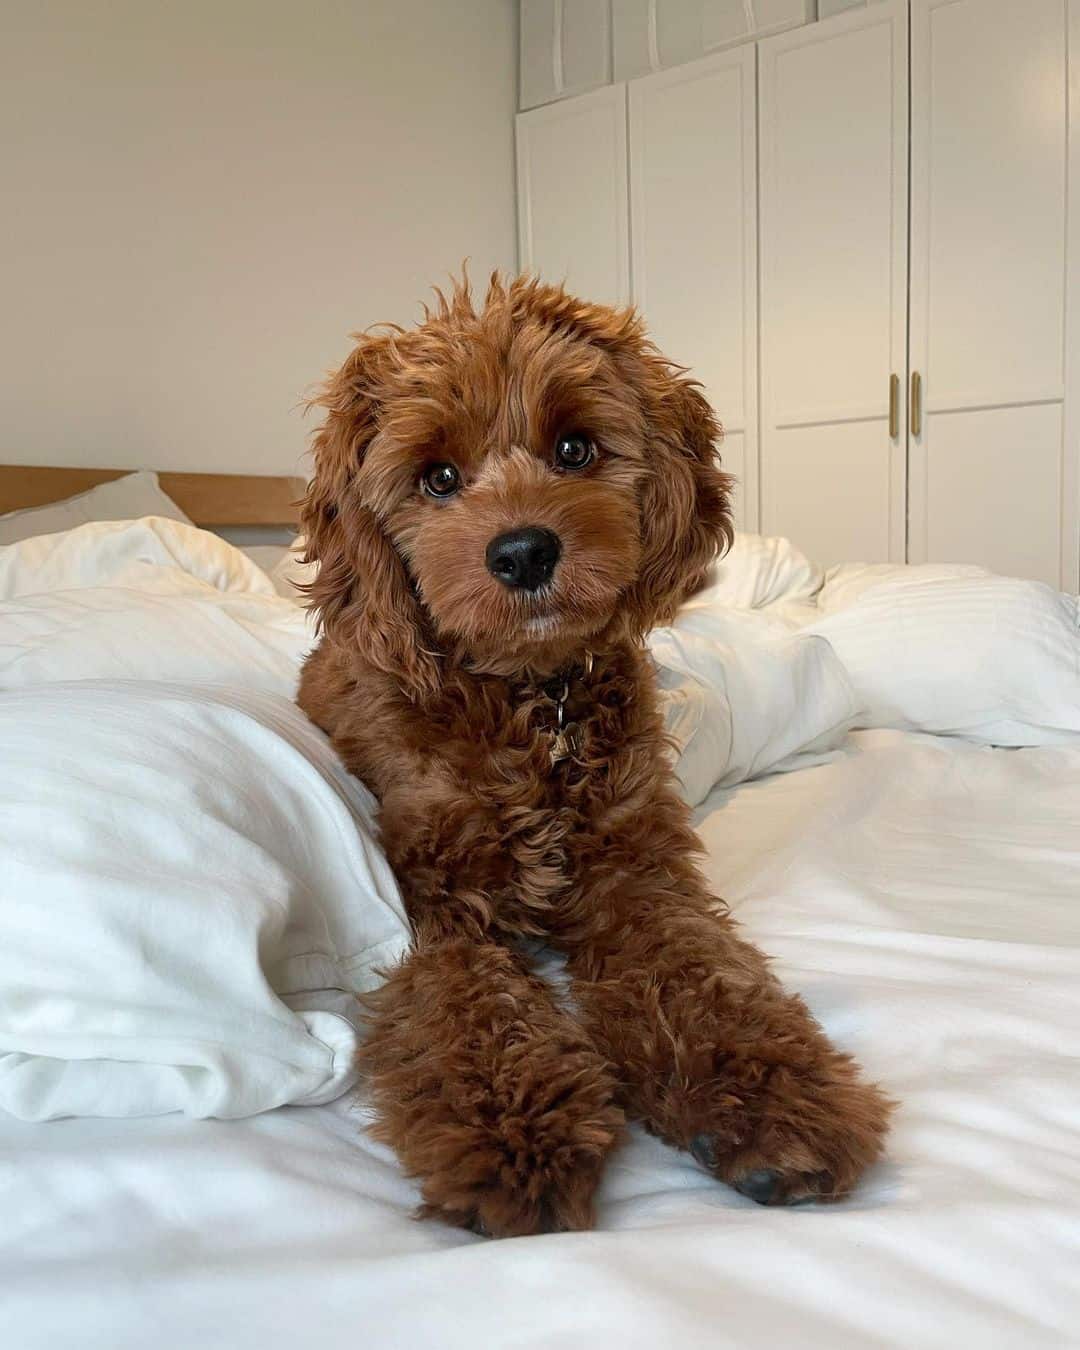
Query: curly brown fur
[(434, 680), (492, 1096)]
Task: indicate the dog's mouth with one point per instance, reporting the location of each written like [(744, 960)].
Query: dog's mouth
[(543, 625), (553, 617), (575, 604)]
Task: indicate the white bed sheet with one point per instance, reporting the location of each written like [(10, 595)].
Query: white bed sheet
[(924, 894)]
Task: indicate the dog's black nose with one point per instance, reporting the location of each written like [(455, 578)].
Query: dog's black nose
[(524, 559)]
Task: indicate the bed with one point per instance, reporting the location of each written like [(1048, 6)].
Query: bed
[(908, 849)]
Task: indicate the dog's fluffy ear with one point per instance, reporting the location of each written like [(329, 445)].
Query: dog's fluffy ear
[(685, 499), (362, 594), (685, 506)]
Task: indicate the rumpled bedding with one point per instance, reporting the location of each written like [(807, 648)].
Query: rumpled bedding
[(919, 891), (192, 896), (191, 890), (777, 658)]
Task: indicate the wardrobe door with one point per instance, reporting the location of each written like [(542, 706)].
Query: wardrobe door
[(833, 215), (573, 210), (993, 455), (694, 224)]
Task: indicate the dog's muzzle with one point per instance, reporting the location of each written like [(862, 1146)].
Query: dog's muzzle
[(524, 559)]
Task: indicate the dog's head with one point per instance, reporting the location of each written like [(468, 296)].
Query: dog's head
[(506, 484)]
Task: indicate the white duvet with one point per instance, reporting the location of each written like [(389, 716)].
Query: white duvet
[(191, 890), (922, 890)]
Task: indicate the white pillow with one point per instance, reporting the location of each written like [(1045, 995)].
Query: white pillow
[(994, 659), (290, 573), (741, 694), (846, 582), (265, 556), (760, 572), (128, 498), (144, 599), (143, 554), (191, 896)]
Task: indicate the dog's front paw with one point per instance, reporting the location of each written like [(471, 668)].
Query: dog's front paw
[(528, 1162), (811, 1132), (525, 1178)]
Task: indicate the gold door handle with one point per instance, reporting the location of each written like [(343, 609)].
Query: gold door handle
[(894, 407), (916, 403)]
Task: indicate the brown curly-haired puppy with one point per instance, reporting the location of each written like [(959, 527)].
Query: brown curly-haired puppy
[(506, 499)]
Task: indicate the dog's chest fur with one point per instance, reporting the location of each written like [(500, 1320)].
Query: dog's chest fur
[(479, 824)]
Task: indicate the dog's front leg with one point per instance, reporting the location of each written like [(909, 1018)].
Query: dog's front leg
[(712, 1053), (491, 1096)]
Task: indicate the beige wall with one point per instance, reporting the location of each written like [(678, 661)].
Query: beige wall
[(199, 199)]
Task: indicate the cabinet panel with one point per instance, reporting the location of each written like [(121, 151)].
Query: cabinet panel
[(827, 488), (693, 209), (833, 212), (989, 155), (536, 54), (633, 39), (564, 48), (827, 8), (996, 489), (989, 225), (573, 209), (651, 35), (586, 45)]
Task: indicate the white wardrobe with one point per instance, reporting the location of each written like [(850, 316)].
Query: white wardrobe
[(863, 236)]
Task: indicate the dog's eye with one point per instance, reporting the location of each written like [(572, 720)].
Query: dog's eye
[(441, 480), (574, 451)]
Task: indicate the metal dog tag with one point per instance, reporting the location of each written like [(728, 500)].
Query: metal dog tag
[(567, 743)]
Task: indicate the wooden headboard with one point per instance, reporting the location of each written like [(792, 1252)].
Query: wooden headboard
[(212, 500)]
